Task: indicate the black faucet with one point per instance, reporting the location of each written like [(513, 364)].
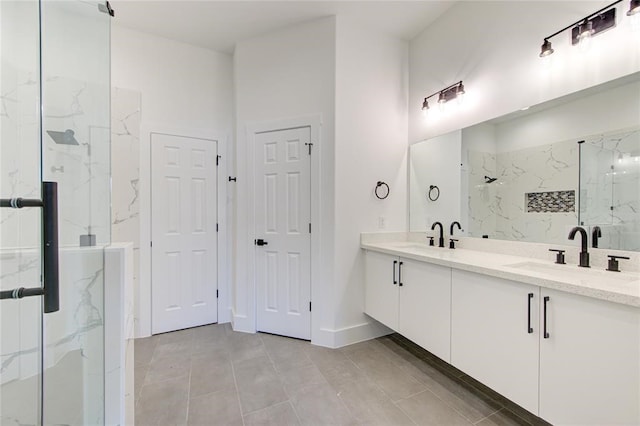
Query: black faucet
[(452, 242), (595, 234), (584, 254), (441, 239)]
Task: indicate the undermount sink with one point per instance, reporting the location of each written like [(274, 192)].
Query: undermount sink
[(582, 273)]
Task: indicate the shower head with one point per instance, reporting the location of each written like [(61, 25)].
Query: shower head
[(488, 179), (63, 138)]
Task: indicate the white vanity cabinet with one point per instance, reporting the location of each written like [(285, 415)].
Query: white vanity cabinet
[(425, 306), (381, 288), (412, 298), (590, 361), (495, 334)]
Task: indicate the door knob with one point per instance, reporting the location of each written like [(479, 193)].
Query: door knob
[(260, 242)]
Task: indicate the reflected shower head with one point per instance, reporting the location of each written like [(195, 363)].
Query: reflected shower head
[(63, 138), (488, 179)]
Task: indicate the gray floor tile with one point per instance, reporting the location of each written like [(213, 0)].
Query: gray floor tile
[(426, 409), (339, 373), (174, 349), (503, 417), (163, 403), (277, 415), (168, 368), (296, 378), (140, 372), (217, 408), (369, 405), (243, 346), (143, 349), (471, 403), (286, 353), (207, 377), (319, 405), (325, 358), (217, 375), (175, 336), (392, 380), (258, 384)]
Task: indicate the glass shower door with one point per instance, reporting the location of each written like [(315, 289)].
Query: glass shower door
[(76, 154), (54, 126), (20, 229)]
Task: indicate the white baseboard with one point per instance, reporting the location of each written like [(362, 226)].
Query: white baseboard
[(349, 335), (242, 323)]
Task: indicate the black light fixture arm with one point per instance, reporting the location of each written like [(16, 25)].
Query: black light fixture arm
[(583, 19), (449, 87)]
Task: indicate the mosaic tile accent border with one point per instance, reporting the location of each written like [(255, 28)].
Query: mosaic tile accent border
[(551, 202)]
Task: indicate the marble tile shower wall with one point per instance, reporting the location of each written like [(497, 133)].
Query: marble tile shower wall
[(125, 171), (19, 135), (482, 195), (498, 209), (73, 333), (82, 171), (610, 187)]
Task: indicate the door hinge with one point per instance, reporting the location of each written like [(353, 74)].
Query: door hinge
[(309, 227), (217, 294), (217, 227), (218, 157), (150, 243), (309, 144), (309, 306)]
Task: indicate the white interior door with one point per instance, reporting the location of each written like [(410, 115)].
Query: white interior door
[(282, 220), (183, 231)]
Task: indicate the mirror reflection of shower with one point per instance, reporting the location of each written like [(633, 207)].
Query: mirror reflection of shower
[(67, 137)]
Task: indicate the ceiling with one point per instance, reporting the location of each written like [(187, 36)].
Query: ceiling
[(219, 25)]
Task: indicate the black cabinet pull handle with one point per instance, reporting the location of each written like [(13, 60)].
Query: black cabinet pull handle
[(546, 334), (400, 275), (395, 262), (529, 328)]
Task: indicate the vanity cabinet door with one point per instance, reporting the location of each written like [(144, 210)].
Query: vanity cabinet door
[(425, 306), (590, 361), (381, 293), (490, 335)]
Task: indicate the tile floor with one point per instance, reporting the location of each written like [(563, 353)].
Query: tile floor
[(214, 376)]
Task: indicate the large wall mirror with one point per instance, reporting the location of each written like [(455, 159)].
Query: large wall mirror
[(534, 174)]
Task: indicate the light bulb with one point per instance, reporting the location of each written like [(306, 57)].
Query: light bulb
[(442, 101), (584, 35), (460, 94)]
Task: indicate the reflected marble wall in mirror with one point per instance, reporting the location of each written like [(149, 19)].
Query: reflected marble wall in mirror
[(520, 177), (610, 188)]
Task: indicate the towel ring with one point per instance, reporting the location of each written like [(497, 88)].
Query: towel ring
[(434, 193), (378, 185)]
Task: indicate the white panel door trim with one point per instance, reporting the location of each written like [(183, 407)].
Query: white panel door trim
[(220, 201), (314, 122)]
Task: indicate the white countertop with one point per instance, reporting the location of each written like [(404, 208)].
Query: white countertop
[(618, 287)]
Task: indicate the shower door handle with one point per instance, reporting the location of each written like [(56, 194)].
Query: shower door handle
[(50, 265)]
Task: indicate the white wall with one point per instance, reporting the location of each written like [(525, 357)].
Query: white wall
[(436, 162), (185, 88), (613, 109), (494, 49), (371, 146), (286, 74)]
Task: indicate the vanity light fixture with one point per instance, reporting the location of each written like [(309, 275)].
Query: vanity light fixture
[(583, 30), (455, 91)]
